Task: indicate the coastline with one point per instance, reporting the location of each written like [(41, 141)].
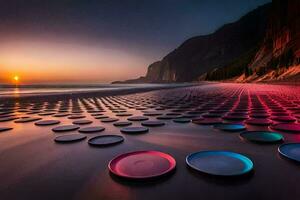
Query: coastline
[(87, 94)]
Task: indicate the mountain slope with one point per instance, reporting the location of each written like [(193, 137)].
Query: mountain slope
[(204, 53), (263, 45), (280, 49)]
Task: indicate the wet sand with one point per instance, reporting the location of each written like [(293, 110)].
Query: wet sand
[(33, 166)]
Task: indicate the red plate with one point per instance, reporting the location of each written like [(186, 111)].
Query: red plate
[(142, 164), (288, 127), (259, 122), (283, 118)]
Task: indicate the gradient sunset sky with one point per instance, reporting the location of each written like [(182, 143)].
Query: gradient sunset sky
[(97, 41)]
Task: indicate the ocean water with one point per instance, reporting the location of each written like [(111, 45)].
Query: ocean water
[(25, 90)]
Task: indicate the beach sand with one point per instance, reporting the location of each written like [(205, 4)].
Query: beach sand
[(33, 166)]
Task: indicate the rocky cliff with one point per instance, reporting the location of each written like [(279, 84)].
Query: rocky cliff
[(262, 45), (200, 54), (280, 48)]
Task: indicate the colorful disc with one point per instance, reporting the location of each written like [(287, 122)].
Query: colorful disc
[(230, 127), (207, 121), (287, 127), (107, 120), (235, 117), (46, 122), (165, 117), (101, 117), (46, 113), (153, 123), (259, 122), (5, 129), (76, 117), (105, 140), (134, 130), (152, 113), (142, 165), (96, 114), (259, 115), (5, 119), (138, 118), (290, 150), (65, 128), (284, 119), (212, 115), (262, 136), (123, 123), (69, 138), (182, 120), (82, 122), (61, 115), (123, 114), (219, 163), (91, 129), (27, 119)]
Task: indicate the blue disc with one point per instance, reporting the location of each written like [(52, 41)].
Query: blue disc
[(219, 163), (230, 127), (262, 136), (290, 150)]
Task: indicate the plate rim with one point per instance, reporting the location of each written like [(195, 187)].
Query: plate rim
[(284, 130), (170, 158), (261, 141), (101, 136), (220, 151), (79, 139), (138, 132), (285, 155)]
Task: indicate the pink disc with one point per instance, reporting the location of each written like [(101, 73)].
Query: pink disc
[(284, 119), (142, 164), (289, 127), (259, 115), (259, 122)]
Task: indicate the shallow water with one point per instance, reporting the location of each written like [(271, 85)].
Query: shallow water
[(25, 90)]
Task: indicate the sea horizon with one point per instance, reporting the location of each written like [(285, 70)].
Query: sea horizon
[(10, 90)]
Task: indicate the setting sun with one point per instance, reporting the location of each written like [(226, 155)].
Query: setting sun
[(16, 78)]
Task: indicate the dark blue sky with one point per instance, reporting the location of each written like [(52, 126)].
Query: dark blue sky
[(145, 29), (154, 25)]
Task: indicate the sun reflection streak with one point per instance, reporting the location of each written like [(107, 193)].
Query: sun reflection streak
[(16, 91)]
